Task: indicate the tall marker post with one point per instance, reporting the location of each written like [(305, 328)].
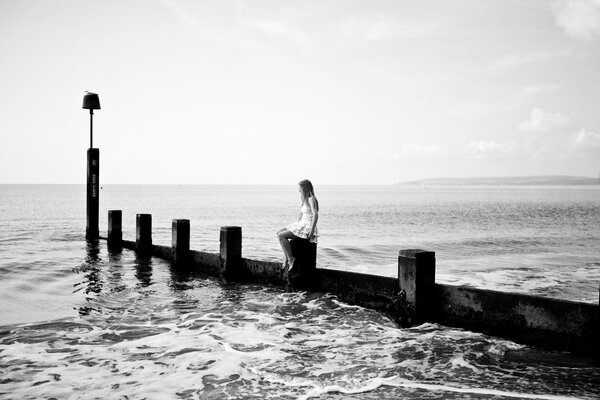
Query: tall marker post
[(92, 102)]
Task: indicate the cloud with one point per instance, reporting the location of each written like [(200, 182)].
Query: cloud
[(513, 61), (282, 28), (579, 19), (544, 121), (371, 29), (184, 16), (289, 23), (489, 149), (201, 22), (550, 136), (480, 109), (471, 110), (375, 28), (554, 136), (586, 141), (534, 90), (418, 150)]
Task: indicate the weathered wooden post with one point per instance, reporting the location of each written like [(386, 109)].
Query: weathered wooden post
[(416, 278), (143, 233), (230, 257), (180, 240), (115, 230), (305, 266)]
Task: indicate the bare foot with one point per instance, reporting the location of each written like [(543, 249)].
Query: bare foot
[(292, 261)]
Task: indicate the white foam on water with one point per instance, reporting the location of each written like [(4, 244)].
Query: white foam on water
[(456, 389), (160, 365), (317, 391), (262, 344), (460, 362), (543, 274), (373, 384)]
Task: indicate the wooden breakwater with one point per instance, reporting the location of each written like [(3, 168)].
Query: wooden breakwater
[(411, 298)]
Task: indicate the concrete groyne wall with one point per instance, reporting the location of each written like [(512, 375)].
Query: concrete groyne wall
[(411, 298), (550, 323)]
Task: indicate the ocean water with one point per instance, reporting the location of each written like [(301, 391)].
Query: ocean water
[(77, 321)]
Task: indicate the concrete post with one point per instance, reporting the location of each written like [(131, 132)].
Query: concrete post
[(143, 233), (115, 230), (180, 240), (416, 277), (93, 194), (230, 260), (303, 274)]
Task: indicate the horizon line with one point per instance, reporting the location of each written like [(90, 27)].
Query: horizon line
[(412, 181)]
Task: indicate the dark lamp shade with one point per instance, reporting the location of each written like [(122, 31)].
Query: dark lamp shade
[(91, 101)]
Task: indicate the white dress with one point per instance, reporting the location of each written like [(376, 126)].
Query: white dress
[(301, 228)]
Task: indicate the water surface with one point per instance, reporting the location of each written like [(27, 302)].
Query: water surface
[(81, 322)]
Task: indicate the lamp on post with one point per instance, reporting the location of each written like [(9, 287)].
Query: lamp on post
[(92, 102)]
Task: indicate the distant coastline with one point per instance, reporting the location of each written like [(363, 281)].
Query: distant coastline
[(514, 180)]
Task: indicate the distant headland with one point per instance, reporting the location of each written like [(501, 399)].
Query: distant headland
[(512, 180)]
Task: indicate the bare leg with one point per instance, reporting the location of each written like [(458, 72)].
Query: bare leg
[(284, 235), (285, 257), (281, 231)]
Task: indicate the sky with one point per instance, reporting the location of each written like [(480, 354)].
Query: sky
[(272, 92)]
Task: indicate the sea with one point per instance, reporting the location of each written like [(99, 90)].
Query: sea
[(80, 322)]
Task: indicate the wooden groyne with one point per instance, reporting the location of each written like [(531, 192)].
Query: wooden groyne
[(411, 298)]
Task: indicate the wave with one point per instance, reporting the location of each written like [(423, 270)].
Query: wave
[(401, 383), (240, 341)]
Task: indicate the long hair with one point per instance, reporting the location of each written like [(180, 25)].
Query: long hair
[(307, 190)]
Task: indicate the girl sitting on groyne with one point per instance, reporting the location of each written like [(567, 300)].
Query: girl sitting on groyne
[(305, 227)]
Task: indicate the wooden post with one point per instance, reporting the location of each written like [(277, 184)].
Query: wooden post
[(143, 233), (305, 266), (115, 231), (180, 240), (416, 277), (230, 259), (93, 194)]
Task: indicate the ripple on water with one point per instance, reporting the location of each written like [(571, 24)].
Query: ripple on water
[(255, 342), (120, 325)]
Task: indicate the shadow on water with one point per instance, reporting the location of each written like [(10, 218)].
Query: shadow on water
[(99, 276), (93, 253), (143, 270), (183, 277), (232, 293), (194, 291), (143, 264), (92, 282), (182, 281)]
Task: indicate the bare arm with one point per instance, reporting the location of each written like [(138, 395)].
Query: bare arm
[(315, 218)]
